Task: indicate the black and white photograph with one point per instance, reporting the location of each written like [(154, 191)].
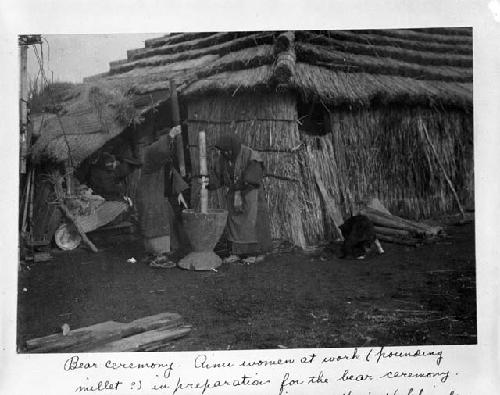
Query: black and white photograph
[(241, 190)]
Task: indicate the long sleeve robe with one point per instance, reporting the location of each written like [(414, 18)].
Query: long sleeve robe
[(156, 216), (248, 229)]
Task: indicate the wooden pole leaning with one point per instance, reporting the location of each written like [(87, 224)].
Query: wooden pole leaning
[(176, 118)]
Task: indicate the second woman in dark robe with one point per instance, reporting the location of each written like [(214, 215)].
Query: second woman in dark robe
[(241, 170)]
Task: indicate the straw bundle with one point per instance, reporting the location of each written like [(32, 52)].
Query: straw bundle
[(407, 55), (450, 39), (219, 49), (232, 82), (362, 89), (174, 38), (91, 115), (333, 59), (213, 39), (376, 37), (447, 31), (56, 93)]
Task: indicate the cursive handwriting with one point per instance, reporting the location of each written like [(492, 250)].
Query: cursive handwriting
[(350, 372), (421, 375), (211, 384), (381, 354), (102, 385)]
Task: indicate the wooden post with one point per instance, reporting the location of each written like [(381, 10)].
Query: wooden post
[(32, 199), (25, 136), (23, 108), (202, 148), (177, 121), (69, 178), (26, 203)]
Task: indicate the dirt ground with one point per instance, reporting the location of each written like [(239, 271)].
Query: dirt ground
[(408, 296)]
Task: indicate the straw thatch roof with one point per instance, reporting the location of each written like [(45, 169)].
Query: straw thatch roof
[(431, 66)]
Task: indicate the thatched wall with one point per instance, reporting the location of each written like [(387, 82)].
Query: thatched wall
[(377, 152), (383, 152)]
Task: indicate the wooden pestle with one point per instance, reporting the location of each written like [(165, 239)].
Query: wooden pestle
[(202, 147)]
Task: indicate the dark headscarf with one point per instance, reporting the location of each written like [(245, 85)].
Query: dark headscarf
[(230, 146)]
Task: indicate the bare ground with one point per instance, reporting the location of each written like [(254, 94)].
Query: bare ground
[(408, 296)]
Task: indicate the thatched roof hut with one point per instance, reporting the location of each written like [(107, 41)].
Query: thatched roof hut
[(338, 115)]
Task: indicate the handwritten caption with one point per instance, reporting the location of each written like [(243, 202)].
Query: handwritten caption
[(350, 372)]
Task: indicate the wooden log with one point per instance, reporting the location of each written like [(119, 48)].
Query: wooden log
[(433, 230), (146, 341), (284, 67), (396, 240), (42, 256), (376, 204), (429, 230), (392, 232), (92, 336), (386, 221), (32, 198), (393, 221), (330, 206), (78, 227), (284, 42), (176, 118)]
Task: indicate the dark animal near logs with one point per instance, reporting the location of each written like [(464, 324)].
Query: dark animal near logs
[(359, 237)]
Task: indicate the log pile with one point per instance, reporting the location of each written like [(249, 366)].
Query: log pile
[(145, 334), (394, 229)]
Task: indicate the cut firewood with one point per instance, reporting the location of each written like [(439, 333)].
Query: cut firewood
[(146, 341), (42, 256), (396, 240), (392, 221), (382, 220), (392, 231), (92, 336), (376, 204)]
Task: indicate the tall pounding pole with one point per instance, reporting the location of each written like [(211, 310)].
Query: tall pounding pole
[(177, 121), (202, 148)]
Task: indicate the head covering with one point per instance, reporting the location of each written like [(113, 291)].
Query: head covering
[(230, 145)]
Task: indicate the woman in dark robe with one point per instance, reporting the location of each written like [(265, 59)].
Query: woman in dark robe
[(242, 170), (156, 216)]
